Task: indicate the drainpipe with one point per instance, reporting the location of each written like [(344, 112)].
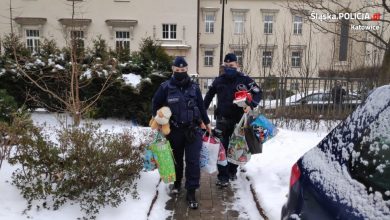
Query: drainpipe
[(197, 39), (222, 31)]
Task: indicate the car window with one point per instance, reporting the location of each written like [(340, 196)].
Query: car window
[(370, 162), (326, 97), (313, 97), (351, 97)]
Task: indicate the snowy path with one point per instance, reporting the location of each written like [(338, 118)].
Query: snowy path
[(234, 202)]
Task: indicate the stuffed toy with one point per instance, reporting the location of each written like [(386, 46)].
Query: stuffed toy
[(162, 119)]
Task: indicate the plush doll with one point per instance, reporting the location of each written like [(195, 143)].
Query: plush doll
[(162, 119)]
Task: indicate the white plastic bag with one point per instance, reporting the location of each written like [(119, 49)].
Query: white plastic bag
[(211, 144)]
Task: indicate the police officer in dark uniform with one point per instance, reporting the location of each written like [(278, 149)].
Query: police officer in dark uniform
[(227, 113), (184, 98)]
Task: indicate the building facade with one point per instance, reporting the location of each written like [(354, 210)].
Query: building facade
[(268, 37), (271, 38), (122, 23)]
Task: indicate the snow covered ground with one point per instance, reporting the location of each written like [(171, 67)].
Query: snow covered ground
[(269, 173)]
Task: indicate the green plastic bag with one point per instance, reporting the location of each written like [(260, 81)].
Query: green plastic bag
[(165, 163)]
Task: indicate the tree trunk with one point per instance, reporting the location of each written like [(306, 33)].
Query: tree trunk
[(384, 77)]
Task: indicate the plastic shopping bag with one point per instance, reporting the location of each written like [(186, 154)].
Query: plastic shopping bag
[(238, 152), (165, 162), (150, 160), (263, 128), (210, 148), (222, 160), (254, 143)]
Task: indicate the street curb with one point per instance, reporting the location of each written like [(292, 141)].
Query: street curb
[(258, 206), (153, 200)]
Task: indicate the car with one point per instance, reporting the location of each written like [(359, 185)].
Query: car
[(319, 99), (347, 175)]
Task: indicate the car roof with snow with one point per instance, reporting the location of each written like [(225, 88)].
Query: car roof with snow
[(352, 163)]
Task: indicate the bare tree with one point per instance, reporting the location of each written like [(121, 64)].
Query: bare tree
[(246, 43), (334, 7), (70, 100)]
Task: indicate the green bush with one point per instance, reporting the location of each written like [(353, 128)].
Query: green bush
[(8, 106), (92, 167)]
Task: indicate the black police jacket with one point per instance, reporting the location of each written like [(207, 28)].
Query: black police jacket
[(184, 99), (225, 88)]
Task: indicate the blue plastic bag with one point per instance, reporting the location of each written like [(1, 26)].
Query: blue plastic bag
[(266, 130)]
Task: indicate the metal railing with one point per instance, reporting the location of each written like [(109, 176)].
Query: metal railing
[(307, 98)]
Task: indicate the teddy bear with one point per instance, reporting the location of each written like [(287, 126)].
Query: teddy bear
[(162, 119)]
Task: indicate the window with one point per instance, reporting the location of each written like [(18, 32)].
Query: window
[(207, 84), (208, 58), (312, 98), (344, 32), (268, 24), (296, 59), (240, 56), (122, 40), (210, 19), (298, 22), (169, 31), (78, 37), (32, 40), (267, 58), (238, 19)]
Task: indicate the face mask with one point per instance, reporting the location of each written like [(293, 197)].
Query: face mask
[(230, 71), (179, 76)]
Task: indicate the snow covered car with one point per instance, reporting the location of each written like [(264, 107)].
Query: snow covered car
[(347, 175)]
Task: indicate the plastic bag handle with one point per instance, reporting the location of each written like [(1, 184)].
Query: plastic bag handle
[(243, 120), (209, 137)]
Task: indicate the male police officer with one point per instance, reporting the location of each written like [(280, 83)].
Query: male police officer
[(185, 100), (229, 114)]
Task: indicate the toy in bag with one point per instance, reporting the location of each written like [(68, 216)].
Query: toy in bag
[(165, 164), (264, 129), (238, 152), (150, 160), (209, 153), (242, 98)]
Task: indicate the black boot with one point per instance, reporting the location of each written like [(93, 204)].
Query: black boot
[(192, 203), (175, 188)]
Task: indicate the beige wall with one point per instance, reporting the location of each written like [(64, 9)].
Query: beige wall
[(319, 50), (150, 15)]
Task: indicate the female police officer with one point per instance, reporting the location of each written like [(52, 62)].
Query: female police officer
[(184, 99)]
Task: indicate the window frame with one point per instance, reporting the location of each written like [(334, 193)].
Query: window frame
[(169, 31), (294, 59), (238, 25), (35, 41), (79, 37), (208, 59), (268, 24), (297, 25), (267, 60), (123, 41), (240, 56), (209, 24)]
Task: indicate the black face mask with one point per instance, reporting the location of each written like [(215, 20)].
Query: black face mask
[(179, 76)]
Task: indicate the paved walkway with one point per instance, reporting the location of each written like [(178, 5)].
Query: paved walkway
[(214, 203)]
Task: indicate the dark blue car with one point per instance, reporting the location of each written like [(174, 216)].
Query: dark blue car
[(347, 176)]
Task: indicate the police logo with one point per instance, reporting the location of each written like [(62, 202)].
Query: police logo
[(227, 61), (181, 65), (241, 87)]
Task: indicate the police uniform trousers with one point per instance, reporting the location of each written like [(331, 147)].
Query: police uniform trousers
[(180, 146), (227, 128)]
